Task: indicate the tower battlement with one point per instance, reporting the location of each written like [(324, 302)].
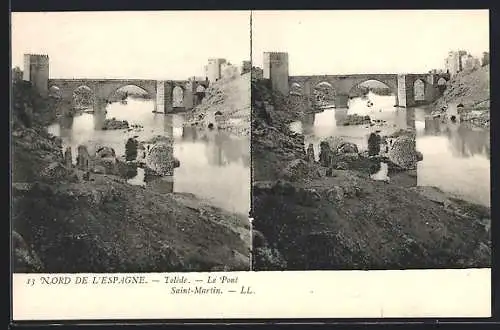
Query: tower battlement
[(36, 71), (37, 55), (276, 69)]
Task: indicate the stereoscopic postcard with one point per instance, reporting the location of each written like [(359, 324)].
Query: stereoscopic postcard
[(250, 164)]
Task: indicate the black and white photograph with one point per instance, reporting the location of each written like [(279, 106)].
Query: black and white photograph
[(130, 141), (370, 140), (235, 165)]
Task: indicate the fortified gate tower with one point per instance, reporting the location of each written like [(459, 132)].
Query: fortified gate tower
[(36, 71), (276, 70)]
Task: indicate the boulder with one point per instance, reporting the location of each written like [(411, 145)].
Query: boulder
[(355, 119), (403, 152), (112, 124), (161, 160), (56, 172)]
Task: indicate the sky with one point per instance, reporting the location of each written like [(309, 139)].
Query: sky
[(151, 45), (368, 41)]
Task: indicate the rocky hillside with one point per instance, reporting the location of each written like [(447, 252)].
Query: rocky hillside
[(470, 88), (69, 220), (332, 214), (226, 105), (467, 96)]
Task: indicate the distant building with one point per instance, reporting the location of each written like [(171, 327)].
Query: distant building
[(213, 70), (458, 61), (246, 66), (452, 63)]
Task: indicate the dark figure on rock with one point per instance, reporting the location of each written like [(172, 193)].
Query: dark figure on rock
[(131, 149), (325, 154), (373, 144), (310, 153)]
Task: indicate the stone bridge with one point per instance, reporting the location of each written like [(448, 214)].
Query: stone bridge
[(36, 71), (338, 88), (341, 87), (162, 92)]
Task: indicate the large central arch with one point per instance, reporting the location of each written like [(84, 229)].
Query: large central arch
[(83, 96), (391, 84), (419, 89), (177, 96), (123, 92), (324, 94), (375, 85)]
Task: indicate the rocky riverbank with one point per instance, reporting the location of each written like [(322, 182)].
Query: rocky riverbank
[(85, 217), (467, 97), (338, 214), (226, 106)]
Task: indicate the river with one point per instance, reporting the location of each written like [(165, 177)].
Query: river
[(456, 157), (214, 166)]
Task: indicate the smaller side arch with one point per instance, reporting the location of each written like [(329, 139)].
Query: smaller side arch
[(324, 93), (55, 92), (178, 96), (419, 89), (441, 84), (296, 88), (117, 92), (83, 96)]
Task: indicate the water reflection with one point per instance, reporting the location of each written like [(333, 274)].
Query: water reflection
[(214, 165), (456, 157)]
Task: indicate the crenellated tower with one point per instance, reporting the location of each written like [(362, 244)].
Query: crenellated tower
[(36, 71), (276, 70)]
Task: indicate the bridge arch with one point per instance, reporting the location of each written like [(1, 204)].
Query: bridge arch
[(83, 96), (441, 81), (296, 88), (55, 91), (324, 93), (200, 89), (178, 96), (419, 87), (442, 84), (378, 86), (130, 90)]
